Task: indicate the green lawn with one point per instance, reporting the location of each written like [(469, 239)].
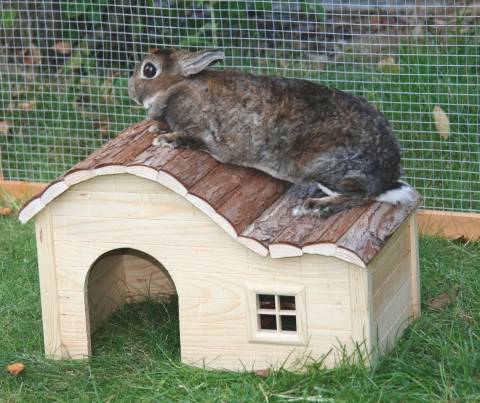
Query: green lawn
[(136, 354)]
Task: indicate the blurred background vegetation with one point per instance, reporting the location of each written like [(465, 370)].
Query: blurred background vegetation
[(64, 67)]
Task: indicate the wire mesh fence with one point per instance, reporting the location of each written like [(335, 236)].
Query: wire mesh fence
[(65, 64)]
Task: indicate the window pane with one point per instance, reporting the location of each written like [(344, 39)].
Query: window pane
[(266, 301), (287, 303), (268, 322), (289, 322)]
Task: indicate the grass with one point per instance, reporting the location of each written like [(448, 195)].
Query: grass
[(72, 112), (136, 353)]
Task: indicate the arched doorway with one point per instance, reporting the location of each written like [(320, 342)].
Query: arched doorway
[(123, 276)]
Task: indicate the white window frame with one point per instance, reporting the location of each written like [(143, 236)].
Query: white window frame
[(257, 335)]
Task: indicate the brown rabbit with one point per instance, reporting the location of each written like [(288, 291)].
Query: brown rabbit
[(294, 130)]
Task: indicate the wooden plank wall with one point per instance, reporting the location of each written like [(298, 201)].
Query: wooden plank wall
[(209, 269), (394, 296)]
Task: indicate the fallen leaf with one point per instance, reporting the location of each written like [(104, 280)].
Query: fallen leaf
[(27, 106), (386, 61), (62, 47), (262, 372), (441, 301), (4, 126), (442, 122), (32, 56), (5, 211), (15, 369), (388, 64)]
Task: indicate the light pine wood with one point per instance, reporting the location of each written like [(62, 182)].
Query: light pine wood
[(254, 245), (124, 276), (171, 183), (394, 287), (117, 238), (110, 170), (143, 172), (106, 288), (414, 265), (280, 250), (53, 191), (398, 275), (361, 310), (20, 190), (208, 210), (391, 320), (78, 176), (383, 265), (34, 207), (449, 224), (48, 285), (145, 278), (74, 324)]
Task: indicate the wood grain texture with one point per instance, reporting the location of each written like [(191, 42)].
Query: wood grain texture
[(449, 224), (48, 285), (19, 190), (170, 247), (361, 308), (208, 277), (393, 287), (374, 227), (249, 205), (415, 265), (219, 185)]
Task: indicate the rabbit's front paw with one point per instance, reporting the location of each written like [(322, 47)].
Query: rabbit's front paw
[(319, 207), (163, 141), (156, 128)]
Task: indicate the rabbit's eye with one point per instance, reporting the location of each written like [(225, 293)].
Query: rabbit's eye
[(149, 70)]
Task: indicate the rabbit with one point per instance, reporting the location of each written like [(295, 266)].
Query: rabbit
[(294, 130)]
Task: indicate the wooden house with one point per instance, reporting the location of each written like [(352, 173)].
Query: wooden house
[(256, 286)]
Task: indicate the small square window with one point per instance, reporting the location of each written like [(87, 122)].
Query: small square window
[(277, 314), (287, 303), (288, 323), (269, 312), (268, 322), (266, 301)]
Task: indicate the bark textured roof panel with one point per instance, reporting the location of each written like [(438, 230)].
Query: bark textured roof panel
[(249, 205)]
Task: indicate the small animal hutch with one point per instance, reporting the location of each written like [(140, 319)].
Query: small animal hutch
[(256, 286)]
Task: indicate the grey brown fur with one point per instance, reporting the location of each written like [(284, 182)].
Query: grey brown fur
[(294, 130)]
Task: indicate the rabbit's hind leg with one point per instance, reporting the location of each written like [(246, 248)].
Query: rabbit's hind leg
[(352, 192), (328, 205)]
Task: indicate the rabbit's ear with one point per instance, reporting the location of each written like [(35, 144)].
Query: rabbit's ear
[(196, 62)]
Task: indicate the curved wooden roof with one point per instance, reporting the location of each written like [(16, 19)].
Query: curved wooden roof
[(249, 205)]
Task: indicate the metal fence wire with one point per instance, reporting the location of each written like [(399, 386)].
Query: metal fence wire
[(65, 64)]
